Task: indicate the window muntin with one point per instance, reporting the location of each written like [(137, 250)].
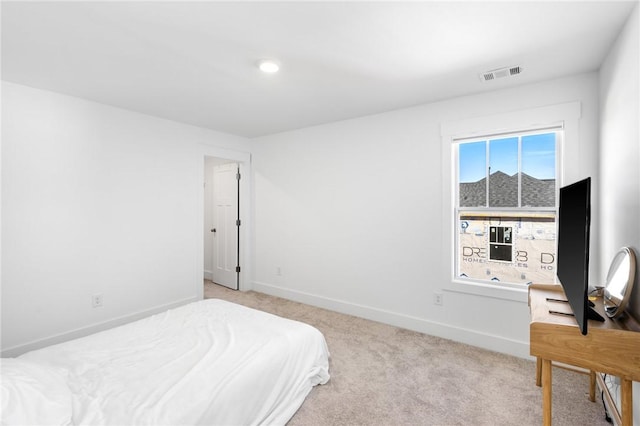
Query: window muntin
[(506, 208)]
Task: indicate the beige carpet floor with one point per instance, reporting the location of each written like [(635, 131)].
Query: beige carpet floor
[(384, 375)]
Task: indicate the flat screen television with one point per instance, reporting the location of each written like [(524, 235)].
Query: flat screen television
[(574, 220)]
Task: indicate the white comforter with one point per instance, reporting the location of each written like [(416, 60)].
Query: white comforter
[(209, 362)]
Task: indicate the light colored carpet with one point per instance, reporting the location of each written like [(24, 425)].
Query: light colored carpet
[(384, 375)]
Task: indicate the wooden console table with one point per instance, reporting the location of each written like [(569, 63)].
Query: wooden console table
[(611, 347)]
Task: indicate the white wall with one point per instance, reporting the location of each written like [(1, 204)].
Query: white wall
[(620, 149), (96, 200), (352, 213), (620, 158)]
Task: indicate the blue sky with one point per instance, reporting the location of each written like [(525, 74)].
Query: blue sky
[(538, 157)]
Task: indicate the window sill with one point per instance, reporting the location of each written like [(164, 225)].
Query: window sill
[(512, 292)]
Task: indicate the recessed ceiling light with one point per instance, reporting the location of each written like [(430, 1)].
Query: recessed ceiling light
[(268, 66)]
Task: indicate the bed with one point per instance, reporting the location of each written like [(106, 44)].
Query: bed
[(209, 362)]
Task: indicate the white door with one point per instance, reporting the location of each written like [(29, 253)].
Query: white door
[(225, 231)]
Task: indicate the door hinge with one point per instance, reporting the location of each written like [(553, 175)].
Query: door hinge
[(237, 269), (238, 222), (238, 176)]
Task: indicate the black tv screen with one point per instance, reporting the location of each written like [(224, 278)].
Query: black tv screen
[(574, 217)]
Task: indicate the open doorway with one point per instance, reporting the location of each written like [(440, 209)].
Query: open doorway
[(222, 222), (204, 224)]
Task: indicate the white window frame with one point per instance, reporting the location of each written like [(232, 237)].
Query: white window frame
[(565, 116), (503, 211)]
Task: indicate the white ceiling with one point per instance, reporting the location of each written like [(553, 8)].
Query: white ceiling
[(194, 62)]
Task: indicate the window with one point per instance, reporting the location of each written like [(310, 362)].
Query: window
[(506, 207), (500, 243)]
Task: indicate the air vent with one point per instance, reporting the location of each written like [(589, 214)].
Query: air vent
[(500, 73)]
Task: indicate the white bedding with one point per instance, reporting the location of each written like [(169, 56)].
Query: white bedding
[(209, 362)]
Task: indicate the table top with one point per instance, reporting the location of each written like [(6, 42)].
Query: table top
[(612, 346), (540, 307)]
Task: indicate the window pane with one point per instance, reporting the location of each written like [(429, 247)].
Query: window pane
[(539, 170), (472, 175), (507, 248), (503, 172)]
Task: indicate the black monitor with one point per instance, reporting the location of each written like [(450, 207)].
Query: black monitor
[(574, 218)]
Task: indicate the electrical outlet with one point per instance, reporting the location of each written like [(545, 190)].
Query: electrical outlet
[(437, 299), (96, 300)]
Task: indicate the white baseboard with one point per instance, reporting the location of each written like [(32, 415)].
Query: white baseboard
[(470, 337), (94, 328), (208, 275)]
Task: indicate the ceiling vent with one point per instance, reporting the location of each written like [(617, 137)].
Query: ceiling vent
[(500, 73)]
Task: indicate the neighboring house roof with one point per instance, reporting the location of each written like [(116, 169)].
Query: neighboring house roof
[(503, 191)]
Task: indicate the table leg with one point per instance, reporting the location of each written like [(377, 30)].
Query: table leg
[(546, 392), (538, 372), (592, 386), (626, 397)]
